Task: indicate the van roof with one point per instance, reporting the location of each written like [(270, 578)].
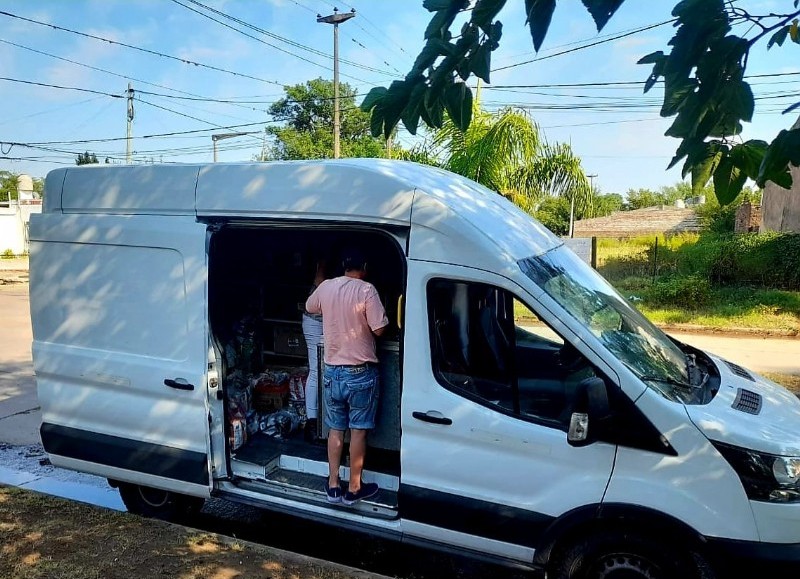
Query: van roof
[(445, 210)]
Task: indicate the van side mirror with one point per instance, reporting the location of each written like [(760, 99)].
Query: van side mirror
[(590, 412)]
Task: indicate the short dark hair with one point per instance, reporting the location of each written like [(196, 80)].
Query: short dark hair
[(353, 259)]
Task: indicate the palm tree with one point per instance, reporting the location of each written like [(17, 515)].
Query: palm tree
[(505, 152)]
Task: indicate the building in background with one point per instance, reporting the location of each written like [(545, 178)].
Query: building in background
[(780, 208), (15, 216)]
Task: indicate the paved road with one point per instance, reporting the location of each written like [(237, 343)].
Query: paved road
[(19, 416)]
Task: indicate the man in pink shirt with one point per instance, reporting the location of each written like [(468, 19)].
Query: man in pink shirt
[(352, 315)]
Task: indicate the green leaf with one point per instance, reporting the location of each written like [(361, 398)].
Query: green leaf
[(411, 113), (778, 37), (748, 157), (432, 111), (393, 105), (783, 150), (437, 5), (740, 101), (440, 22), (791, 108), (675, 95), (728, 181), (376, 121), (480, 62), (703, 165), (652, 58), (538, 16), (374, 96), (458, 100), (427, 56), (602, 10), (485, 11)]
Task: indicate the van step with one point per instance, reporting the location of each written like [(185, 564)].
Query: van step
[(310, 488)]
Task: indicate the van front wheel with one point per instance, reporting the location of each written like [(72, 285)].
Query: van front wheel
[(157, 503), (616, 554)]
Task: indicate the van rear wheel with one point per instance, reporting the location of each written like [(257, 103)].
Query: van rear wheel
[(158, 503), (619, 555)]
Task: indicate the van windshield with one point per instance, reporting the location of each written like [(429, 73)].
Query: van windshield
[(625, 332)]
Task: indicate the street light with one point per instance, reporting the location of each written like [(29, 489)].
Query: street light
[(222, 136), (572, 206), (336, 18)]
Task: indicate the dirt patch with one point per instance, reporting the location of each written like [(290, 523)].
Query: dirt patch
[(85, 542)]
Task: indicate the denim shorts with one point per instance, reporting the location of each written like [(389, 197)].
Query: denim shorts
[(351, 396)]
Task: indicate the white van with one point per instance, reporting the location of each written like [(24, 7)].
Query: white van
[(529, 414)]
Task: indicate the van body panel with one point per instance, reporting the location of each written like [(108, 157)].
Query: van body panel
[(697, 486), (452, 474), (53, 187), (777, 523), (118, 309), (130, 189), (358, 191), (458, 221)]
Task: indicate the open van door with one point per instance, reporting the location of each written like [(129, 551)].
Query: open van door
[(121, 350)]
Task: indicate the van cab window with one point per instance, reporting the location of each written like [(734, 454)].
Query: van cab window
[(488, 346), (626, 333)]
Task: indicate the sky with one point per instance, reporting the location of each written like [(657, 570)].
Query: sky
[(196, 77)]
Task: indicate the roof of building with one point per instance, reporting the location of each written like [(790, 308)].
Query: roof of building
[(658, 220)]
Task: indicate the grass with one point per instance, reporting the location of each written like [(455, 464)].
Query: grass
[(628, 266), (789, 381), (86, 542)]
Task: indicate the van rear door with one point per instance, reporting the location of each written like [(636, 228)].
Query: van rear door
[(118, 305)]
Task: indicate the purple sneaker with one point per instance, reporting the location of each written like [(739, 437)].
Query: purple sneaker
[(334, 494), (366, 491)]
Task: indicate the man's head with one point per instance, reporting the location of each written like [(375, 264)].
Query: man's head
[(354, 260)]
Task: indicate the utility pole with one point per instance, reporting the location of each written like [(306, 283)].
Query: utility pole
[(129, 142), (336, 19)]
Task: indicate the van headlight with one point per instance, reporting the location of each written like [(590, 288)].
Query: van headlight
[(765, 477)]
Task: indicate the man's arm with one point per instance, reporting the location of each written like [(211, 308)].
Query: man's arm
[(376, 314), (313, 305)]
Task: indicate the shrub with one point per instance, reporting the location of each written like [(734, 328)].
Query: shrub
[(7, 254), (685, 291)]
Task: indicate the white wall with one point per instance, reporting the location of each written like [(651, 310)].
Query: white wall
[(13, 222)]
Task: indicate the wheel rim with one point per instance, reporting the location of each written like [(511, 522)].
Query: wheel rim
[(154, 497), (624, 566)]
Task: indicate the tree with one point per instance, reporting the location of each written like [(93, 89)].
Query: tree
[(86, 158), (703, 78), (8, 186), (606, 204), (307, 111)]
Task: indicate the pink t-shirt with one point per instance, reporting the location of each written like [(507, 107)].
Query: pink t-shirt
[(351, 309)]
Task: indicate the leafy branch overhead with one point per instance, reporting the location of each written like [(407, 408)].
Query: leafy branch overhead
[(703, 76)]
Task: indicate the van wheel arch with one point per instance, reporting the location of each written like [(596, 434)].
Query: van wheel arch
[(641, 527), (157, 503)]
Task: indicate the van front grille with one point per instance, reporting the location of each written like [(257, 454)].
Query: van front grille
[(747, 401)]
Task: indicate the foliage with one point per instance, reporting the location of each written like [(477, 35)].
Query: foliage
[(7, 254), (8, 186), (704, 86), (505, 152), (603, 205), (86, 158), (553, 213), (718, 218), (307, 111), (686, 291)]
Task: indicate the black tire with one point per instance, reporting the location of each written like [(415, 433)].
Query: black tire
[(615, 554), (157, 503)]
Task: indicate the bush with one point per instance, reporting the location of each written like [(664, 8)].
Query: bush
[(689, 292), (7, 254)]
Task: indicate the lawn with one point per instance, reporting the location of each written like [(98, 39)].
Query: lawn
[(87, 542)]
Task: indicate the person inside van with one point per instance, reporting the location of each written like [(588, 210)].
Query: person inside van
[(312, 332), (352, 316)]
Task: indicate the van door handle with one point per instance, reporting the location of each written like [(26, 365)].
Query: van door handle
[(432, 416), (179, 383)]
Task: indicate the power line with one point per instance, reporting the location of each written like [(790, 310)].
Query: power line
[(277, 37), (98, 69), (146, 50), (116, 96), (590, 45)]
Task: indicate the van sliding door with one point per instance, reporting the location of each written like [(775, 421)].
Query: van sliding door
[(121, 347)]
